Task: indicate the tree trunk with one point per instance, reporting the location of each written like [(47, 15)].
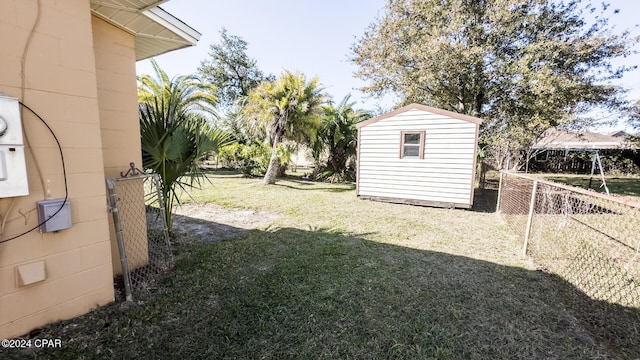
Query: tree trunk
[(337, 162), (274, 165)]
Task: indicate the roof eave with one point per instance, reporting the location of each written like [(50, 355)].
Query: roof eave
[(421, 107), (159, 15), (148, 44)]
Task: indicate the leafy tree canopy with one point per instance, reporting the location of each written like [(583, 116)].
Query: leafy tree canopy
[(337, 140), (634, 121), (241, 127), (522, 65), (288, 108), (230, 69)]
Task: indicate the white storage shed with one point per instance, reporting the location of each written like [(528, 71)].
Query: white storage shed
[(418, 155)]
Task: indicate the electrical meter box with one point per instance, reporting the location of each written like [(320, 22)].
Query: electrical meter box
[(13, 169)]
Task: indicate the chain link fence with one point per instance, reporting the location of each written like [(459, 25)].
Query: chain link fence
[(590, 239), (141, 231)]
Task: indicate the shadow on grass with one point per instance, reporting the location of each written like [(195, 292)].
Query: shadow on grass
[(193, 230), (290, 293), (623, 186), (485, 200), (344, 188), (222, 171)]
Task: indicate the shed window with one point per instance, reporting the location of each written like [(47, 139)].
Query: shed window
[(412, 144)]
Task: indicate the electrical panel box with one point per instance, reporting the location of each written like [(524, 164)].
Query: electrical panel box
[(51, 222), (13, 168)]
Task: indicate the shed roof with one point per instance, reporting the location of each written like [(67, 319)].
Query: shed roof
[(430, 109), (156, 31)]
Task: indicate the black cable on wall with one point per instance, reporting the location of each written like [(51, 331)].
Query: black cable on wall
[(64, 173)]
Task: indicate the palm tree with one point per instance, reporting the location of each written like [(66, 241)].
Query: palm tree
[(175, 132), (235, 121), (288, 108), (338, 138)]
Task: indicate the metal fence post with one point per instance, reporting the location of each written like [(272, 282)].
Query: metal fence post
[(499, 193), (113, 208), (532, 206), (587, 238)]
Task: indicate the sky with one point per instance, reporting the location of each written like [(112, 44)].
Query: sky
[(315, 37)]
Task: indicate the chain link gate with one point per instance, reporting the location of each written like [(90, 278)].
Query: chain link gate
[(589, 239), (137, 207)]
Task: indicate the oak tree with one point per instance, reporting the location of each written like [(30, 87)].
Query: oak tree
[(522, 65), (230, 69)]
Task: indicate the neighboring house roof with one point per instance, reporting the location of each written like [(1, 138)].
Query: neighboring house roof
[(619, 133), (564, 139), (451, 114), (156, 31)]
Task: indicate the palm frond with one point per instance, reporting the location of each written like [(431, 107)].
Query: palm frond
[(175, 124)]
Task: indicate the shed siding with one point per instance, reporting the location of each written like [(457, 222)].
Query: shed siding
[(444, 175)]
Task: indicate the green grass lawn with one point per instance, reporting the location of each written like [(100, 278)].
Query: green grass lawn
[(335, 277), (628, 186)]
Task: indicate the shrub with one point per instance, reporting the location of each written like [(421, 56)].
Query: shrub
[(253, 159)]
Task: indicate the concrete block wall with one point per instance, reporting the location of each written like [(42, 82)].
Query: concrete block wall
[(80, 77)]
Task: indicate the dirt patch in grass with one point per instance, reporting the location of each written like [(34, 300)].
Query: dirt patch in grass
[(208, 222)]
